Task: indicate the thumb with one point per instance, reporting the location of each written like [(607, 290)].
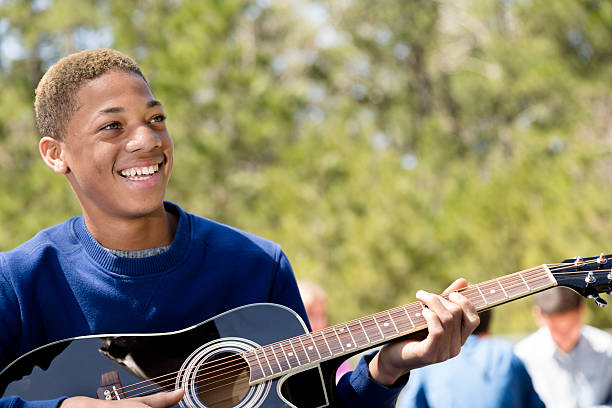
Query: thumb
[(456, 285), (164, 399)]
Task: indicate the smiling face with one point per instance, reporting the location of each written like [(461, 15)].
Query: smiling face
[(116, 152)]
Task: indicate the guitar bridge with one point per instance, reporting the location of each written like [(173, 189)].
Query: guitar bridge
[(110, 388)]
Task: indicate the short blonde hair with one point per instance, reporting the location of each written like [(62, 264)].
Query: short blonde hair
[(56, 100)]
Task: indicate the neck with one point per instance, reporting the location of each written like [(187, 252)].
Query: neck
[(360, 334), (131, 234)]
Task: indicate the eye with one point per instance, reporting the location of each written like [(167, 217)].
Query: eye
[(111, 126), (158, 118)]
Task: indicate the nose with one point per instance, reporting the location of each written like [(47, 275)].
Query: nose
[(143, 138)]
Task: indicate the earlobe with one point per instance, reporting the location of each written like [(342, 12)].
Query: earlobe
[(53, 154)]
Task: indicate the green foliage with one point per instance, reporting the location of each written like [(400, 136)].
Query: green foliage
[(390, 146)]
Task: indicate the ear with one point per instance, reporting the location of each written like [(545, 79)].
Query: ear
[(538, 316), (52, 154)]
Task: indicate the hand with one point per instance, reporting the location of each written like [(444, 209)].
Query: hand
[(159, 400), (449, 323)]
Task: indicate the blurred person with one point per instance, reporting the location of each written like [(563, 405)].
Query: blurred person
[(315, 303), (570, 363), (133, 254), (486, 374)]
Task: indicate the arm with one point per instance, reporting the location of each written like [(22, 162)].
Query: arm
[(449, 323), (10, 334), (528, 397), (378, 380), (159, 400)]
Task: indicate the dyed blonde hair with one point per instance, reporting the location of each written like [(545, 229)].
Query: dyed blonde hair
[(56, 93)]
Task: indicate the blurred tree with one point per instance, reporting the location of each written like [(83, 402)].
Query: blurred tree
[(389, 146)]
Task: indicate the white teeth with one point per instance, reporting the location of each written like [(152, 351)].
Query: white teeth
[(134, 172)]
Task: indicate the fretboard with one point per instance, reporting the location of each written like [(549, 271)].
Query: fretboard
[(298, 353)]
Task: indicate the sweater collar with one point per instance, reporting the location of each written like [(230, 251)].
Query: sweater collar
[(138, 266)]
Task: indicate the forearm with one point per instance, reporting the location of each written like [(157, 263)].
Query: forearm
[(16, 402)]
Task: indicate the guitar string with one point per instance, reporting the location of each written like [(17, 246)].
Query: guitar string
[(326, 333), (336, 349), (332, 331), (232, 383), (340, 350)]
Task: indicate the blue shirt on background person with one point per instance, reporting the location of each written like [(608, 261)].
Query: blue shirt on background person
[(485, 374)]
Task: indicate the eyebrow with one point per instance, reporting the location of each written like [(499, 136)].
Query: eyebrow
[(118, 109)]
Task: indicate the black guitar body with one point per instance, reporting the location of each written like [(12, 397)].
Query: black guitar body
[(74, 367)]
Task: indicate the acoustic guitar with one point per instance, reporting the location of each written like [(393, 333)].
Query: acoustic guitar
[(259, 355)]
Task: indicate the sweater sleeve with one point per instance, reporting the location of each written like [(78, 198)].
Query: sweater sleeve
[(285, 290), (528, 396), (10, 322), (359, 390), (10, 329), (16, 402)]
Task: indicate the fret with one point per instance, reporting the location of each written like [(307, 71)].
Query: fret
[(418, 316), (352, 337), (513, 286), (502, 288), (291, 359), (344, 335), (266, 360), (360, 337), (524, 281), (408, 314), (256, 369), (312, 348), (281, 366), (364, 331), (384, 326), (372, 329), (392, 321), (402, 324), (304, 352), (323, 353), (296, 354), (415, 316), (286, 358), (493, 294), (473, 294), (274, 366), (409, 322), (339, 341), (484, 299)]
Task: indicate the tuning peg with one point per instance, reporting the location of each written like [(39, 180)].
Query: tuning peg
[(602, 259), (590, 278), (600, 302), (579, 261)]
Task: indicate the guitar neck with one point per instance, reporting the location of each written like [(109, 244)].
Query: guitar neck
[(300, 352)]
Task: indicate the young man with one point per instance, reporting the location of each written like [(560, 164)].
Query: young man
[(134, 263), (570, 363)]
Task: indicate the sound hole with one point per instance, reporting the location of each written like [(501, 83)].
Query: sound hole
[(223, 380)]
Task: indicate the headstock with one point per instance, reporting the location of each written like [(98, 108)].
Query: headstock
[(587, 276)]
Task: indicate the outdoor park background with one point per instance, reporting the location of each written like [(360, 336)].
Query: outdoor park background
[(388, 145)]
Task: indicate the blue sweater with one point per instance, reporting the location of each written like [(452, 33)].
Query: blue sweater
[(63, 284)]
